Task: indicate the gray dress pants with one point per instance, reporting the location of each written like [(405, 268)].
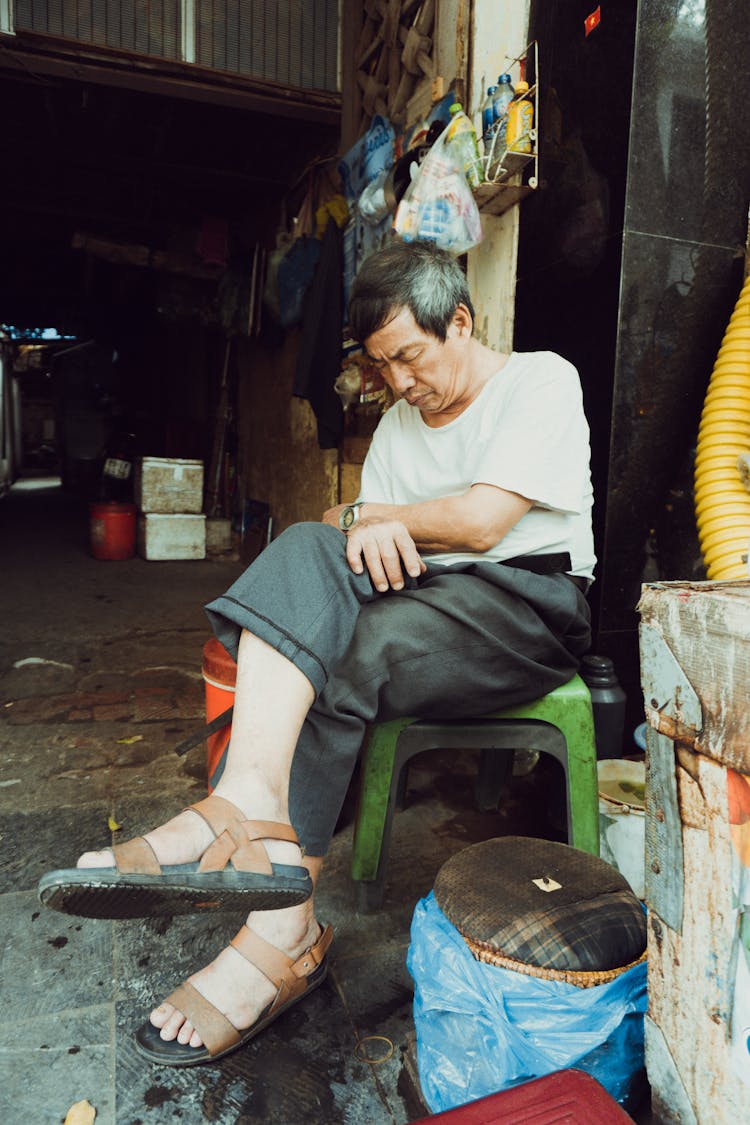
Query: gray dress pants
[(459, 641)]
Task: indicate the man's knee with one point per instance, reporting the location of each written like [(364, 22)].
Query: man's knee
[(307, 536)]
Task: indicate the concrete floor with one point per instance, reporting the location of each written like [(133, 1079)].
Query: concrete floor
[(99, 680)]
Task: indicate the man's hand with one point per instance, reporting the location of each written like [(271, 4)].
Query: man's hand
[(387, 549), (332, 515), (383, 545)]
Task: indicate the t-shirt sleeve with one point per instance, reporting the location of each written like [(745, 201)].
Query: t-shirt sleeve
[(537, 441)]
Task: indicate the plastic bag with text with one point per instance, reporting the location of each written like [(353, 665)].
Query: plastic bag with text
[(482, 1028), (438, 205)]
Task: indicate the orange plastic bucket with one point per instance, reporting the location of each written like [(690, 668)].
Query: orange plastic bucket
[(112, 530), (219, 675)]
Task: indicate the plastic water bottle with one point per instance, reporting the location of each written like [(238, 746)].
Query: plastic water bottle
[(462, 140), (520, 120), (607, 702), (488, 117), (503, 98)]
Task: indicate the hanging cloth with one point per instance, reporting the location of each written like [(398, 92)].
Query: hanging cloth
[(319, 358)]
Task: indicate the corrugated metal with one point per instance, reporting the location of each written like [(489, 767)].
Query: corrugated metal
[(293, 42), (146, 27)]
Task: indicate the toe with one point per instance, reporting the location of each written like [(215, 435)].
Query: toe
[(160, 1015), (173, 1025), (96, 859), (170, 1028), (186, 1032)]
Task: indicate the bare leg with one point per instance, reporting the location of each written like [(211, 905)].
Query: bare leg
[(272, 698)]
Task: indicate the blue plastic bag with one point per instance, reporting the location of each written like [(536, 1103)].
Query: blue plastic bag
[(481, 1028)]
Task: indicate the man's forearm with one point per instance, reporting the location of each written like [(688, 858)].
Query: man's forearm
[(474, 521)]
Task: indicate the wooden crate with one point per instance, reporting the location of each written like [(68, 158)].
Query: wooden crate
[(353, 452), (695, 671)]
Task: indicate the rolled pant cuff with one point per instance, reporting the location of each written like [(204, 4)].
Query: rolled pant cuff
[(228, 618)]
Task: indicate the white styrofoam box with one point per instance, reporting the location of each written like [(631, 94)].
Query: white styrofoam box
[(168, 484), (174, 535)]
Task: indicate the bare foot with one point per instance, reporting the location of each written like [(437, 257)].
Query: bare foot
[(186, 837), (234, 986)]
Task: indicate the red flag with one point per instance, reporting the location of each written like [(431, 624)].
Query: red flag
[(593, 20)]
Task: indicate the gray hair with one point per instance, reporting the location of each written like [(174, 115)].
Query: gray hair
[(408, 275)]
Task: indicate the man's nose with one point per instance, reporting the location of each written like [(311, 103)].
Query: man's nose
[(401, 378)]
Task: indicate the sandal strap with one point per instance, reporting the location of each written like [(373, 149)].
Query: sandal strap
[(288, 976), (136, 857), (240, 843), (216, 1031), (218, 813)]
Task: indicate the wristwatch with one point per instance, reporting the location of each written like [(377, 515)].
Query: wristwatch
[(350, 515)]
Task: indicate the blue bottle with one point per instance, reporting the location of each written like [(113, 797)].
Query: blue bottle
[(488, 117), (503, 98)]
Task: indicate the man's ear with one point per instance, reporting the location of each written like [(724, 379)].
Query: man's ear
[(462, 322)]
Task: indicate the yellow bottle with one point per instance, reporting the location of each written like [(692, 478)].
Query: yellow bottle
[(520, 120)]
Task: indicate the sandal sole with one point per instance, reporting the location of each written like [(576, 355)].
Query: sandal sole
[(148, 896)]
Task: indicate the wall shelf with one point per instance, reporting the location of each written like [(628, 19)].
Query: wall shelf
[(514, 175)]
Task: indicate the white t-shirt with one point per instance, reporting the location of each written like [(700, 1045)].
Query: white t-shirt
[(525, 432)]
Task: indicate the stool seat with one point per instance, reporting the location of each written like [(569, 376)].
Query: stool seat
[(560, 724)]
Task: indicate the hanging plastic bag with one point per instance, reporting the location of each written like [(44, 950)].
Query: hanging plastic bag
[(481, 1028), (438, 205)]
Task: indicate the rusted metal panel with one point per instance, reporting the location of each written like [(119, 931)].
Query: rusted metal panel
[(694, 665), (706, 626)]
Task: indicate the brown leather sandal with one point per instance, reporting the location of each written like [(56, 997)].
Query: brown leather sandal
[(234, 873), (293, 981)]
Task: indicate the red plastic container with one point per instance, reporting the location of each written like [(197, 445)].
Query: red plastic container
[(219, 675), (112, 530), (567, 1097)]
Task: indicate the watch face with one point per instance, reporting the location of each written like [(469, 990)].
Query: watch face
[(347, 518)]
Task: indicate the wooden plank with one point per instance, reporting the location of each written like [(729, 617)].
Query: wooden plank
[(354, 448), (695, 660), (496, 199), (451, 38), (350, 477), (691, 975), (664, 876), (707, 627)]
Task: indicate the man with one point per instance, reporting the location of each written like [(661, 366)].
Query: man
[(453, 586)]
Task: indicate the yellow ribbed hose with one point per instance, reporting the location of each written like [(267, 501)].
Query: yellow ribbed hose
[(722, 503)]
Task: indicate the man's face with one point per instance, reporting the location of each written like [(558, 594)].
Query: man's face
[(418, 367)]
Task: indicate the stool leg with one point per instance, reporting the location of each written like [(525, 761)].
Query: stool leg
[(375, 812), (583, 790)]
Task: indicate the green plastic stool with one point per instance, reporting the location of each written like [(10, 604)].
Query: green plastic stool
[(560, 724)]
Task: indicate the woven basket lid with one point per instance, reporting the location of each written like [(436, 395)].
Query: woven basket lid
[(542, 904)]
